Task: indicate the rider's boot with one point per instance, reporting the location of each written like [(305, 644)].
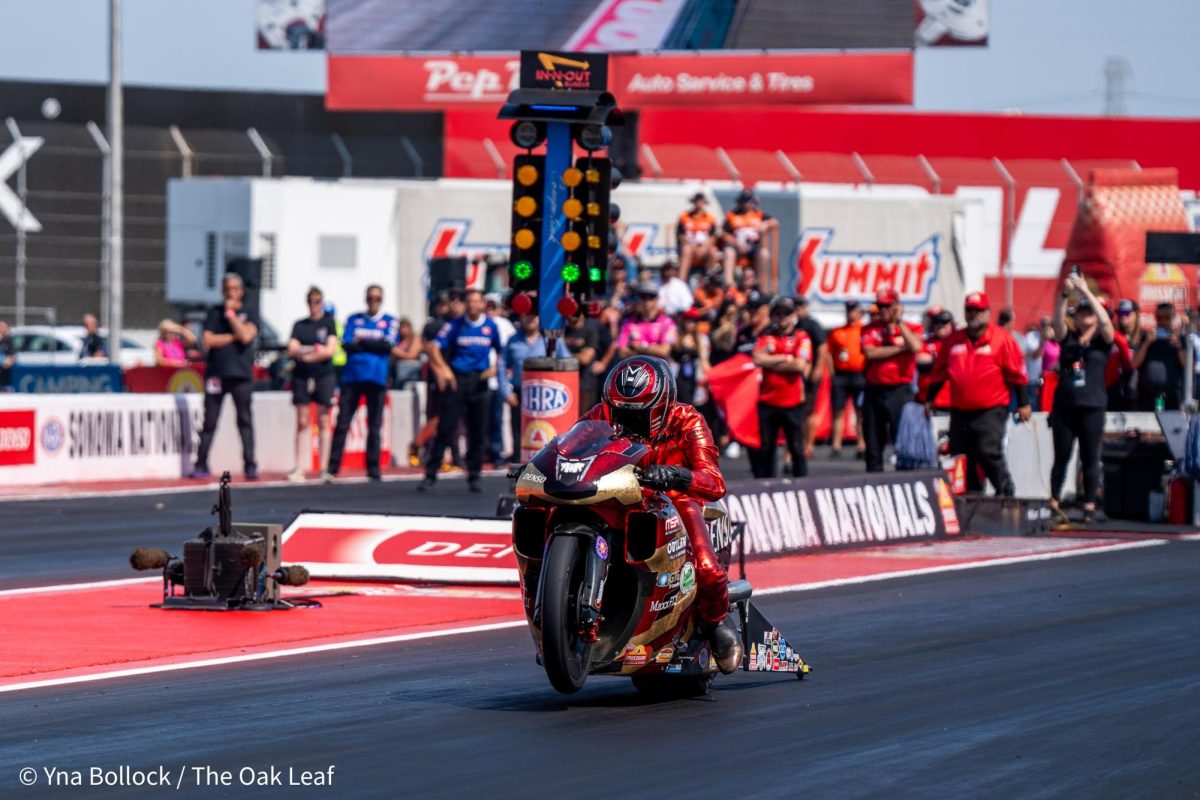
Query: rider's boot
[(726, 644)]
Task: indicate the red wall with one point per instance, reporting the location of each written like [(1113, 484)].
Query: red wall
[(1150, 142)]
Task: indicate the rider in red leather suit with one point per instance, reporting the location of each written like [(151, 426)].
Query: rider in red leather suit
[(685, 466)]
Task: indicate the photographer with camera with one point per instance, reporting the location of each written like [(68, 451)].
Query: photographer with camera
[(1160, 361)]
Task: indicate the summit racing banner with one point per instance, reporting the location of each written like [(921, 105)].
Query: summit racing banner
[(850, 247), (412, 82), (799, 515)]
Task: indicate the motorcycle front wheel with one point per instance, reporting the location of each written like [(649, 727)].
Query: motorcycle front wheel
[(566, 656)]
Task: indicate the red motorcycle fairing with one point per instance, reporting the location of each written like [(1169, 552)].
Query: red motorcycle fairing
[(650, 586)]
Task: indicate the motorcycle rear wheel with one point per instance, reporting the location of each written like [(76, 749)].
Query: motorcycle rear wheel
[(565, 655)]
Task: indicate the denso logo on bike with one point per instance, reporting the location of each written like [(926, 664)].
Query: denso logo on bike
[(834, 276), (17, 438), (543, 398)]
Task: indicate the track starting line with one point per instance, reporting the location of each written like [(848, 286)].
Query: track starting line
[(113, 633)]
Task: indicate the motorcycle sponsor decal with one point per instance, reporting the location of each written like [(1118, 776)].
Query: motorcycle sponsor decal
[(834, 276), (673, 668), (664, 655), (666, 604), (687, 578), (673, 523), (636, 655), (668, 580), (676, 547), (602, 547), (17, 443), (838, 512), (541, 398), (533, 476), (571, 470), (702, 658)]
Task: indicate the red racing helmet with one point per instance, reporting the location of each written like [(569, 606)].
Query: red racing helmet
[(640, 392)]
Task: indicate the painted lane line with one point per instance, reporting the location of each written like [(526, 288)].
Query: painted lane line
[(991, 562), (293, 651), (71, 587)]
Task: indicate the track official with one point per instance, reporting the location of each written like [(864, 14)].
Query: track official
[(983, 364), (368, 341), (889, 346), (785, 355), (462, 364)]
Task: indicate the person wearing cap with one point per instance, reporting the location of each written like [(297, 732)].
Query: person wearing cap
[(984, 367), (889, 347), (812, 382), (462, 361), (674, 296), (696, 235), (1121, 377), (785, 354), (742, 234), (940, 326), (649, 332), (1081, 398), (845, 361)]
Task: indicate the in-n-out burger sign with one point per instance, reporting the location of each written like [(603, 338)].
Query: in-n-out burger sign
[(795, 516), (836, 276)]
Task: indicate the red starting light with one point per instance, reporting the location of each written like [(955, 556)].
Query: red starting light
[(522, 303), (568, 307)]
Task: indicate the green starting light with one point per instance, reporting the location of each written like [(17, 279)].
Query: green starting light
[(595, 275), (570, 272), (522, 270)]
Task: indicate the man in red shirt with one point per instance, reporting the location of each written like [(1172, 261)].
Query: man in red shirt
[(983, 364), (941, 325), (785, 354), (890, 347)]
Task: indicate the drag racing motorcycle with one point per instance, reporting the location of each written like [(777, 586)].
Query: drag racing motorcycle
[(608, 577)]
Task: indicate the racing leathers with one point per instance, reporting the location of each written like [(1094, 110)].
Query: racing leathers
[(685, 442)]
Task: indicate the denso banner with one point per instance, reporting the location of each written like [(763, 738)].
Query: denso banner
[(849, 248), (402, 548), (415, 82), (799, 515)]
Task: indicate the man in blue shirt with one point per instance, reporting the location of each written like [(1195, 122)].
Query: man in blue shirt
[(368, 340), (461, 362), (526, 343)]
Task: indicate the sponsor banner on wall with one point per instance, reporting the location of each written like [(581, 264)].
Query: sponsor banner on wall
[(800, 515), (850, 247), (414, 82), (82, 379), (402, 548)]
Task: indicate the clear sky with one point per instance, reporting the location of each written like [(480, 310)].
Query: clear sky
[(1046, 56)]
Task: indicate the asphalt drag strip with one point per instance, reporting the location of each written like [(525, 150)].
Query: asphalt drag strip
[(1071, 677)]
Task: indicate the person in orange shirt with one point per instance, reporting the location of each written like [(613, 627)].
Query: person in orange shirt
[(742, 234), (696, 235), (846, 364)]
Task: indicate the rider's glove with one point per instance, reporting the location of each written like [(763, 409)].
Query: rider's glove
[(664, 478)]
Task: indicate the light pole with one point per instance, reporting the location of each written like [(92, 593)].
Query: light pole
[(116, 186)]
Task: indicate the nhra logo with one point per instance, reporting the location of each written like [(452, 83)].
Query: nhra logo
[(835, 276), (542, 398), (54, 436)]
